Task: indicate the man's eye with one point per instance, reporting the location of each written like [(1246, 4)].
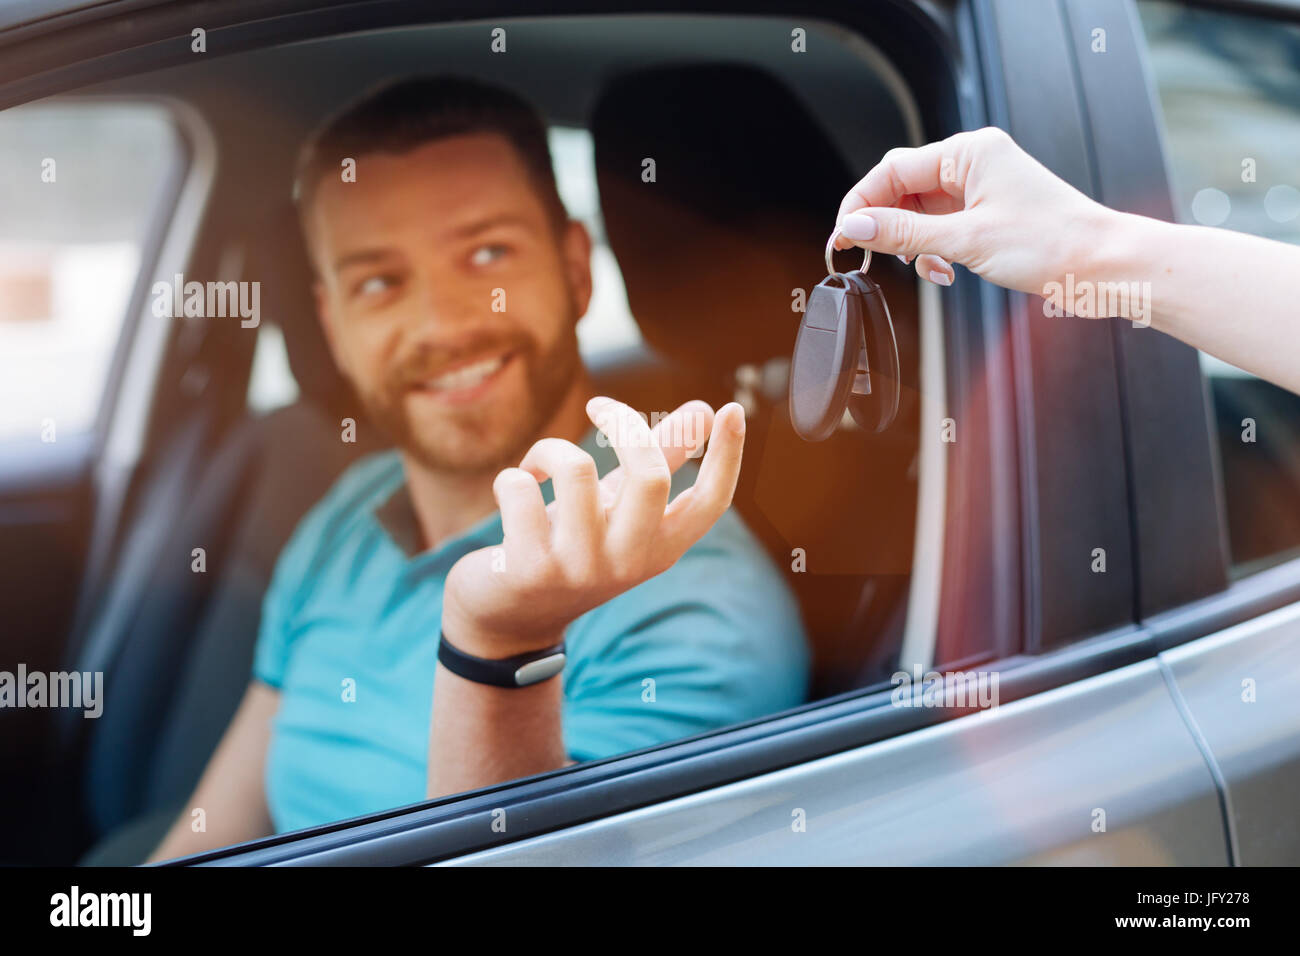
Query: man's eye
[(374, 285), (488, 253)]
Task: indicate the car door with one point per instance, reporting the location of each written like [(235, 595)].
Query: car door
[(1228, 88)]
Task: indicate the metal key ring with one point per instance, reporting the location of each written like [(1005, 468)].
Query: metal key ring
[(830, 252)]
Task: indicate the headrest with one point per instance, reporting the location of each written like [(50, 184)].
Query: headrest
[(279, 257), (742, 196)]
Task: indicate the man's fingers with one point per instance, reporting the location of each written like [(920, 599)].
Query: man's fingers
[(523, 511), (645, 479), (579, 520), (694, 511), (682, 434)]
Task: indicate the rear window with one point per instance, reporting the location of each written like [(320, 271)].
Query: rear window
[(80, 186)]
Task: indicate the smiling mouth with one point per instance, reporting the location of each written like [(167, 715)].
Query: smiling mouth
[(465, 381)]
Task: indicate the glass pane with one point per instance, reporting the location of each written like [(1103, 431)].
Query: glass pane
[(1229, 88), (79, 185)]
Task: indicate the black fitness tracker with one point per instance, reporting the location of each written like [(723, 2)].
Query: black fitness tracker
[(518, 671)]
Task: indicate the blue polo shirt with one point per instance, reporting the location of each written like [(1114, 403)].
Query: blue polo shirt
[(349, 637)]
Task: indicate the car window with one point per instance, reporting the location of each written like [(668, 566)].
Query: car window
[(1229, 88), (80, 187)]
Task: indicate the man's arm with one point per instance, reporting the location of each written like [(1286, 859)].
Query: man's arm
[(482, 734), (599, 538), (230, 792)]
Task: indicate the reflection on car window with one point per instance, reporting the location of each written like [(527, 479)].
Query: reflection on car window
[(79, 187), (1229, 88)]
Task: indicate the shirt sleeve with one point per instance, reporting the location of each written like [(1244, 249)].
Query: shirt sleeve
[(715, 640), (295, 573), (271, 652)]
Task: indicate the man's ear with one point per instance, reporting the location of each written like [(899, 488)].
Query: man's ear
[(576, 249)]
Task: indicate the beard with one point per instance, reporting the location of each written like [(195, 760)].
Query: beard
[(479, 437)]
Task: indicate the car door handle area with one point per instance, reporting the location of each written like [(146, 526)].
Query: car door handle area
[(1238, 687), (1102, 771)]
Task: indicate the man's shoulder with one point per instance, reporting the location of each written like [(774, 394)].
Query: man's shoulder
[(362, 486), (367, 477)]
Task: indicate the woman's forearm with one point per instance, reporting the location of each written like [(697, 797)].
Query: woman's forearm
[(1227, 293)]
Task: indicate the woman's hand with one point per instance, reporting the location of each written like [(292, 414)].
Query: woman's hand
[(599, 537), (979, 199)]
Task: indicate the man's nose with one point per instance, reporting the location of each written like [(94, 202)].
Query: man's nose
[(449, 304)]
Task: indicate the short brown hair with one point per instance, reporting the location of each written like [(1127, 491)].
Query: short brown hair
[(401, 115)]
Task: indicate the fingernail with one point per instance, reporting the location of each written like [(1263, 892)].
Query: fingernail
[(739, 424), (859, 226), (940, 278)]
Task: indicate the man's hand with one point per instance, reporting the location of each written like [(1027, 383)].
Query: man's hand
[(598, 537)]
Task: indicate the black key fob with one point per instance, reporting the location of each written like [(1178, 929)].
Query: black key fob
[(873, 402), (826, 353)]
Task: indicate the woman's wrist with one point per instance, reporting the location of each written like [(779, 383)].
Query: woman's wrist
[(1104, 252), (1122, 259)]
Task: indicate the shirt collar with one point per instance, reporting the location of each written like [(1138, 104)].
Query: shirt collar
[(396, 515)]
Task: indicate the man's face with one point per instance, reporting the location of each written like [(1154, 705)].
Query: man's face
[(448, 299)]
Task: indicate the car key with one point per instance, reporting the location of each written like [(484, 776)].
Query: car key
[(845, 331), (873, 400), (826, 357)]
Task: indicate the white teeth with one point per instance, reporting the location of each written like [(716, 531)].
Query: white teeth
[(467, 376)]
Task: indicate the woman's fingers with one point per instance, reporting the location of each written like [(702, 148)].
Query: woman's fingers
[(915, 202), (934, 269), (901, 172), (929, 267), (903, 232)]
